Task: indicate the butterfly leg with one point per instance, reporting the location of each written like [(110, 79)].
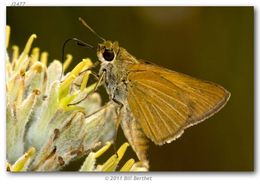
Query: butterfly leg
[(89, 68), (94, 90)]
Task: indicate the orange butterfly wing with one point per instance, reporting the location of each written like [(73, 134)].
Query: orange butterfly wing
[(166, 102)]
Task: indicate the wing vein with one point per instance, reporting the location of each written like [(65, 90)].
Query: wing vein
[(157, 90), (164, 101), (185, 89), (145, 117)]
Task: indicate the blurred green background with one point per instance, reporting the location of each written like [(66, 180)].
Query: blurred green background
[(211, 43)]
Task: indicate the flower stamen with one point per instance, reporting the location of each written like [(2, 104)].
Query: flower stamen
[(67, 62), (44, 58), (7, 38)]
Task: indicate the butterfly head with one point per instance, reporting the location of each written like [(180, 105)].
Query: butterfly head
[(107, 51)]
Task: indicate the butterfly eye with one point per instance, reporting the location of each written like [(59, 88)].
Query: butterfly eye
[(108, 55)]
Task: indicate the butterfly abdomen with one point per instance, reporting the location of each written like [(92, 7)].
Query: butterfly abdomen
[(135, 135)]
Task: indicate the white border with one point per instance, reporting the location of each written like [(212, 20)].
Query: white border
[(136, 3), (174, 178)]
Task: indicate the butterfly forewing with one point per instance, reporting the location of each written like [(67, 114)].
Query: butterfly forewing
[(166, 102), (153, 105)]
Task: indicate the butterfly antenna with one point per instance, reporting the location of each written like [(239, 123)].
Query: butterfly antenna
[(78, 42), (88, 27)]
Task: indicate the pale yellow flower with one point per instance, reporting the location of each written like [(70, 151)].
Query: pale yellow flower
[(45, 131)]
